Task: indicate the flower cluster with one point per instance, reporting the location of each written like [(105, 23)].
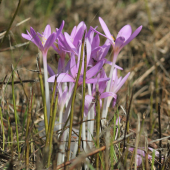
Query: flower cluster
[(96, 78)]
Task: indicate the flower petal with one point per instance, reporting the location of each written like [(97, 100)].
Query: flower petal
[(36, 39), (26, 36), (137, 31), (125, 32), (73, 66), (50, 70), (110, 38), (60, 29), (96, 80), (94, 70), (107, 94), (105, 28), (88, 50), (73, 32), (119, 43), (47, 32), (64, 77), (88, 100), (49, 41), (121, 83), (71, 47), (79, 33)]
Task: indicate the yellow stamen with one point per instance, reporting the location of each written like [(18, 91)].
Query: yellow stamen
[(113, 38)]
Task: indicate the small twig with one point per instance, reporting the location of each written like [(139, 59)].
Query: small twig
[(18, 82), (15, 113), (160, 135), (19, 3), (22, 85), (127, 121)]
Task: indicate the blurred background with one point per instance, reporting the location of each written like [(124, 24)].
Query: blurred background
[(147, 57)]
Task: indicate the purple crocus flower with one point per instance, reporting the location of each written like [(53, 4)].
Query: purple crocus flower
[(47, 41), (124, 36), (141, 153), (102, 86), (117, 83), (74, 40)]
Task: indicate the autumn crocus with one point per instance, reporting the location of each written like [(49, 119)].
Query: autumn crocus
[(123, 38), (116, 84), (48, 39)]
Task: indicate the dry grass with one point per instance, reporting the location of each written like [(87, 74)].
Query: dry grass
[(147, 57)]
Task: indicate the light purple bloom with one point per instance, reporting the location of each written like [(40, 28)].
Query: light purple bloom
[(124, 36), (102, 94), (47, 41), (141, 153), (116, 84), (47, 38)]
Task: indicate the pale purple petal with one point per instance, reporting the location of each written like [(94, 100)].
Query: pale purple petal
[(88, 100), (110, 38), (64, 77), (81, 25), (69, 42), (125, 32), (121, 83), (119, 43), (94, 70), (156, 152), (90, 35), (96, 80), (36, 39), (73, 67), (116, 66), (60, 29), (138, 160), (102, 85), (79, 33), (47, 32), (52, 79), (26, 36), (96, 41), (50, 70), (88, 50), (105, 28), (73, 32), (118, 121), (137, 31), (50, 41), (107, 94)]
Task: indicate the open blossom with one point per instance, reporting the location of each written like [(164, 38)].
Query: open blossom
[(46, 41), (141, 154), (101, 85), (123, 38), (117, 83)]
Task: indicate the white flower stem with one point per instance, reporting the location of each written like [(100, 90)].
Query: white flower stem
[(47, 92), (106, 103), (90, 124)]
